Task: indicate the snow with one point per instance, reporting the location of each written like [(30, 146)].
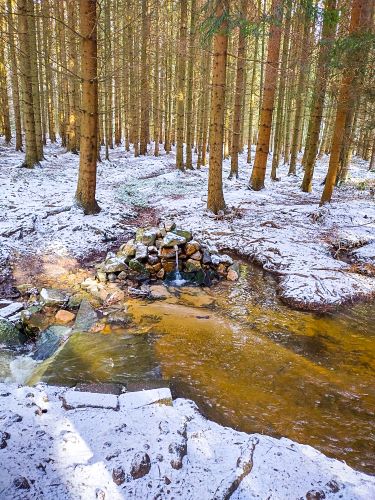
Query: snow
[(73, 453), (280, 228)]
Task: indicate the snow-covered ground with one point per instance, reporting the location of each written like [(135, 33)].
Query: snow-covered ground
[(64, 444), (279, 227)]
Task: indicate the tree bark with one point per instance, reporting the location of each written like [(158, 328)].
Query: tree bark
[(215, 199), (261, 155), (85, 194)]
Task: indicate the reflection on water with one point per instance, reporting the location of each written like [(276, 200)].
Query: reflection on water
[(247, 360)]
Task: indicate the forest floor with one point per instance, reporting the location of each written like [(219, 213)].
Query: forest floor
[(322, 257)]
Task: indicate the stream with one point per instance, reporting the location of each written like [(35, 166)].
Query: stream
[(245, 358)]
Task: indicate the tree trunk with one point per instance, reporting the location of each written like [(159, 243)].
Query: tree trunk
[(85, 194), (215, 199), (238, 100), (190, 89), (31, 154), (261, 155), (351, 77), (145, 91), (14, 78), (181, 70), (322, 72)]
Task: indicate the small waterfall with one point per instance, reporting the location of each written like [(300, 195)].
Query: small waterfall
[(178, 278)]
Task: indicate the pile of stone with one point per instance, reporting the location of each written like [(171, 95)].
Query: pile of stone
[(152, 254)]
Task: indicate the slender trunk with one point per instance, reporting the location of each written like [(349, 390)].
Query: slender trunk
[(181, 70), (14, 78), (260, 163), (215, 199), (31, 155), (190, 89), (145, 97), (85, 194), (238, 101)]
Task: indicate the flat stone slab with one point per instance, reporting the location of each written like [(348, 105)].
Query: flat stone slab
[(10, 309), (134, 400), (77, 399)]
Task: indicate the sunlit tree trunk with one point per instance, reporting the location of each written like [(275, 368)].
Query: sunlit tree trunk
[(260, 162), (31, 152), (85, 194), (215, 199)]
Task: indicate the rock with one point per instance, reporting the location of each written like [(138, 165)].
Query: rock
[(226, 259), (159, 292), (168, 265), (192, 265), (192, 247), (212, 249), (122, 276), (49, 341), (64, 316), (196, 256), (153, 260), (206, 257), (167, 253), (179, 450), (75, 300), (119, 318), (183, 233), (141, 252), (146, 236), (4, 437), (127, 250), (112, 277), (169, 226), (152, 250), (159, 243), (236, 267), (173, 239), (88, 283), (113, 296), (136, 292), (52, 297), (102, 276), (140, 466), (10, 308), (86, 317), (114, 265), (118, 476), (138, 267), (34, 320), (215, 260), (160, 274), (232, 275), (221, 269), (156, 268), (21, 483), (9, 334)]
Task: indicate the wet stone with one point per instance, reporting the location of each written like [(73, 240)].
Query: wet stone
[(49, 341), (141, 252), (86, 317), (52, 297), (172, 239)]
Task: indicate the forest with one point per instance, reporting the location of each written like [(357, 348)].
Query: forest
[(187, 239)]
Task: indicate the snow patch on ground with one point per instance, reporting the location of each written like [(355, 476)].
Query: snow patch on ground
[(90, 451)]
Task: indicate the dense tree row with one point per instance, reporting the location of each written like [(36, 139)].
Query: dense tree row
[(287, 76)]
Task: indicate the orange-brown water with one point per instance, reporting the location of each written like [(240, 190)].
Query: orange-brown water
[(247, 360)]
